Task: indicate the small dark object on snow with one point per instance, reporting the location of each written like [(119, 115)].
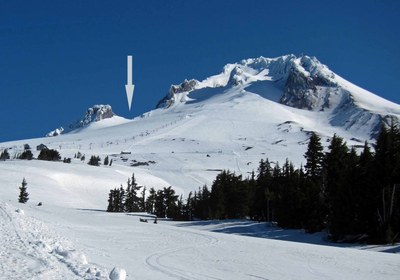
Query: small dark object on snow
[(155, 220), (143, 220), (39, 204)]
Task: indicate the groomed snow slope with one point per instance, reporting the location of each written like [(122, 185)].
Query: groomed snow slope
[(51, 242)]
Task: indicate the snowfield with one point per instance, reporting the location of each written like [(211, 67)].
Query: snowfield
[(71, 237), (93, 242)]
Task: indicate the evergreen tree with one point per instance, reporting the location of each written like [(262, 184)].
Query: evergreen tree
[(170, 202), (313, 189), (151, 200), (337, 190), (261, 205), (94, 160), (23, 193), (120, 200), (289, 198), (132, 199), (106, 161), (112, 207), (314, 158), (204, 207), (387, 167), (218, 196), (49, 155), (159, 204), (366, 184), (27, 154), (190, 210), (5, 155), (229, 196), (142, 201)]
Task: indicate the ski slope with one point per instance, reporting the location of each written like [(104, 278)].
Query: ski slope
[(65, 243), (71, 237)]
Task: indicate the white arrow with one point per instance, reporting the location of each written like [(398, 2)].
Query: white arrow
[(129, 87)]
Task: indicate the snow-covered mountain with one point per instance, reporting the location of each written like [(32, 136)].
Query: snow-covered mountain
[(299, 82), (257, 108)]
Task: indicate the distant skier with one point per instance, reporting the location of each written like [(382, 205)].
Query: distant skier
[(155, 220)]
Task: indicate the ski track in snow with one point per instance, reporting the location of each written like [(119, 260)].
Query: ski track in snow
[(29, 249), (155, 260)]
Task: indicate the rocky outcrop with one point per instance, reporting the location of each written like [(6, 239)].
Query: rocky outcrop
[(93, 114), (169, 99), (306, 86)]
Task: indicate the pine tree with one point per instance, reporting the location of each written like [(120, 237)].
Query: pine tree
[(151, 200), (313, 189), (94, 160), (120, 200), (218, 196), (142, 201), (106, 161), (159, 204), (49, 155), (170, 202), (289, 198), (129, 200), (314, 157), (132, 200), (262, 206), (111, 201), (23, 194), (27, 154), (4, 155), (387, 166), (337, 188)]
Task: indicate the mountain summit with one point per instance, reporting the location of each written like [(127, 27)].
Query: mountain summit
[(298, 82)]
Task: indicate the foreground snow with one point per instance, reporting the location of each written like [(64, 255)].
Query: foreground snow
[(50, 242), (71, 237)]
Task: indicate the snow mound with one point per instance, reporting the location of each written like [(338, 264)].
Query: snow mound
[(71, 255), (118, 274)]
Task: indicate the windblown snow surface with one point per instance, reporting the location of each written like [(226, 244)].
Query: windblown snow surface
[(228, 121)]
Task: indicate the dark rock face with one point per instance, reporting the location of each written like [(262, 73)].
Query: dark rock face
[(303, 88), (186, 86), (94, 114)]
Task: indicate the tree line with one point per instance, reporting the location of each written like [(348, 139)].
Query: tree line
[(354, 197), (163, 202)]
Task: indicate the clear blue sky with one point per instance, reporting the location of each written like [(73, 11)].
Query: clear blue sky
[(59, 57)]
